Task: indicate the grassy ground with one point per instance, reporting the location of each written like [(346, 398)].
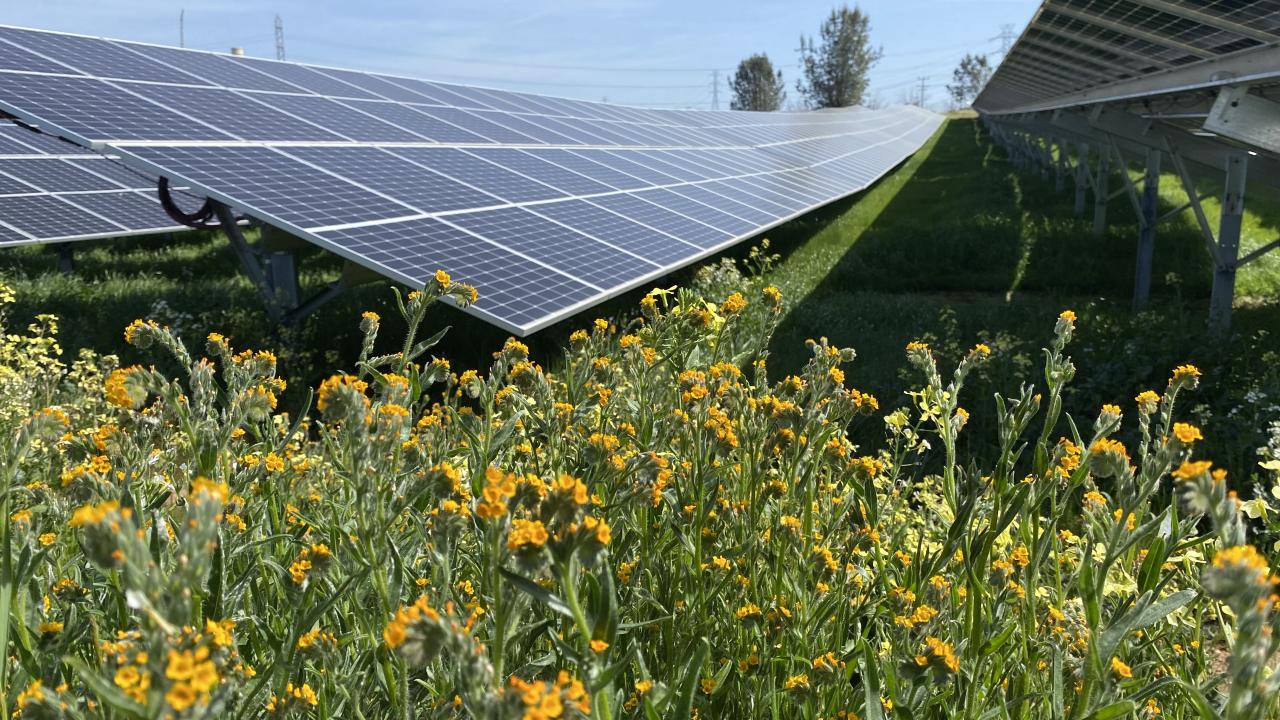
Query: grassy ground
[(957, 247), (954, 247)]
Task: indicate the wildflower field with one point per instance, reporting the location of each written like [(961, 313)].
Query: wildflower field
[(662, 528)]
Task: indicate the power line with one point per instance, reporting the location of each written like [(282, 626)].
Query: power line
[(715, 89)]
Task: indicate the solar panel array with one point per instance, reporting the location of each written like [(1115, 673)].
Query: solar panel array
[(547, 205), (53, 190), (1076, 50)]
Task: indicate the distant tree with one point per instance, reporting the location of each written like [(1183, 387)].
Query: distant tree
[(969, 77), (835, 68), (757, 86)]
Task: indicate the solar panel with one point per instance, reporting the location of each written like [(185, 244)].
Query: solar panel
[(53, 190), (546, 204)]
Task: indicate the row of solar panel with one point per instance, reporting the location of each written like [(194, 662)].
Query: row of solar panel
[(96, 109), (51, 190), (40, 52), (538, 262), (322, 186), (574, 224)]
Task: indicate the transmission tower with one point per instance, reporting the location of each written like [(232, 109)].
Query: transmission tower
[(715, 89), (1006, 39), (279, 38), (182, 28)]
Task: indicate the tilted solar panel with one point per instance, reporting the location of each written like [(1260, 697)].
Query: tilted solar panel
[(547, 205), (52, 190)]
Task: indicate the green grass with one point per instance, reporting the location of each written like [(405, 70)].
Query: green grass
[(955, 246)]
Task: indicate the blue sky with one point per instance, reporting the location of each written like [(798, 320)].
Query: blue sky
[(639, 52)]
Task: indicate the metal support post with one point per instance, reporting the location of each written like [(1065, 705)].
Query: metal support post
[(1101, 195), (1060, 167), (282, 274), (1147, 221), (1228, 250), (66, 258), (248, 260), (1082, 176)]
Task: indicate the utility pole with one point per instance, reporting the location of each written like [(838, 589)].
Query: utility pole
[(715, 89), (182, 27), (279, 38), (924, 79)]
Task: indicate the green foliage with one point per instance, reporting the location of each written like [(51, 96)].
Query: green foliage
[(664, 527), (757, 86), (835, 69), (968, 79)]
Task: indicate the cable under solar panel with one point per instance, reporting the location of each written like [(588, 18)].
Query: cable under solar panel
[(547, 205)]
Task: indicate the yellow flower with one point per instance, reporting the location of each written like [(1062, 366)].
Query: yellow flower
[(1121, 670), (442, 278), (1192, 469), (599, 646), (1186, 433), (181, 696)]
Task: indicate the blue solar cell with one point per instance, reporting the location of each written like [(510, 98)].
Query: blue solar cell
[(92, 56), (698, 211), (485, 124), (97, 111), (560, 126), (788, 203), (667, 221), (53, 175), (274, 185), (479, 173), (707, 194), (775, 184), (526, 164), (651, 159), (410, 119), (401, 179), (514, 290), (116, 172), (23, 141), (556, 246), (742, 197), (9, 236), (234, 113), (621, 163), (598, 223), (135, 211), (216, 69), (304, 77), (429, 93), (14, 186), (338, 118), (374, 84), (45, 216), (528, 125), (13, 57), (615, 179)]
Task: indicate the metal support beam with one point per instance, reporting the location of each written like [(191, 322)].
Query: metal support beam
[(1082, 176), (1100, 196), (1224, 275), (1147, 220), (248, 260)]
